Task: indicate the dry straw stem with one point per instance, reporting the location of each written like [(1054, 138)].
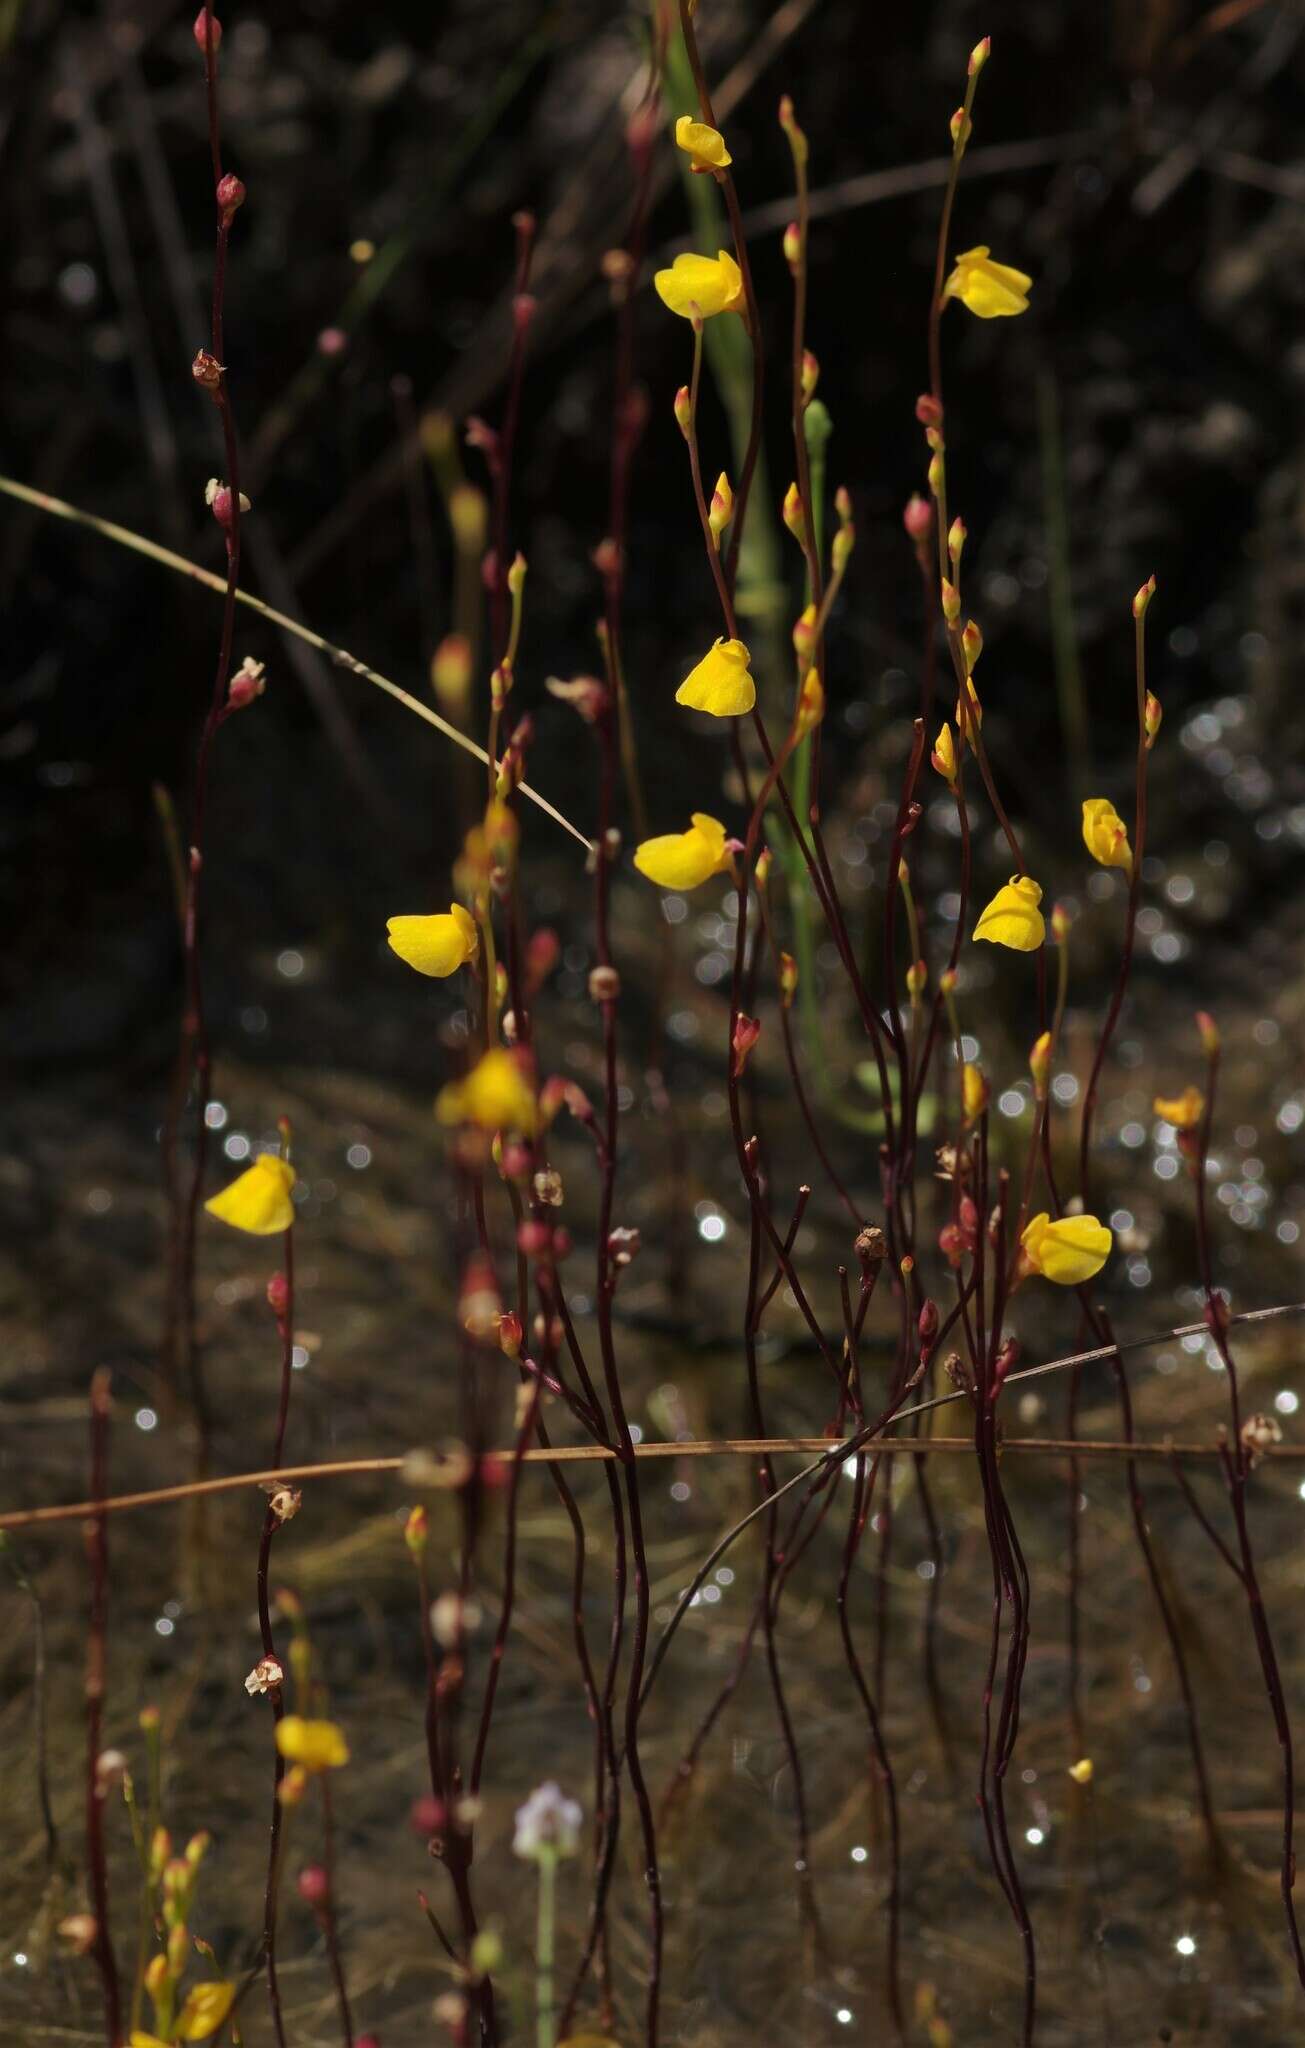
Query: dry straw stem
[(59, 508), (717, 1447)]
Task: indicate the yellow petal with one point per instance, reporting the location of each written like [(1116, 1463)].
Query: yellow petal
[(1183, 1111), (1105, 834), (1069, 1251), (944, 754), (1082, 1772), (495, 1095), (1013, 918), (974, 1092), (987, 289), (704, 144), (143, 2040), (313, 1745), (721, 683), (701, 285), (259, 1201), (682, 860), (206, 2006), (434, 945)]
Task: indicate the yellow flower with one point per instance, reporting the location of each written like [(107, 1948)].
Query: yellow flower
[(259, 1200), (1013, 918), (705, 145), (1183, 1111), (495, 1094), (435, 945), (206, 2006), (681, 860), (721, 683), (313, 1745), (944, 754), (700, 286), (1069, 1251), (988, 289), (1082, 1772), (1105, 834)]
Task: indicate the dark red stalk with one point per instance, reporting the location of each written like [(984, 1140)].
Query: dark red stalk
[(285, 1309), (97, 1555)]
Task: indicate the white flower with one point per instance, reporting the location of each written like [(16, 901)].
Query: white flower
[(284, 1501), (547, 1825), (265, 1674)]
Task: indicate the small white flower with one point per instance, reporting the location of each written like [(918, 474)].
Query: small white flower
[(284, 1501), (547, 1825), (265, 1674), (451, 1617)]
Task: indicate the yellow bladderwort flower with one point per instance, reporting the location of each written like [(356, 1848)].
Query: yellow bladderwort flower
[(706, 146), (495, 1095), (206, 2007), (944, 755), (435, 945), (721, 683), (1183, 1111), (1069, 1251), (259, 1200), (698, 287), (1105, 834), (681, 860), (312, 1745), (985, 288), (1013, 918)]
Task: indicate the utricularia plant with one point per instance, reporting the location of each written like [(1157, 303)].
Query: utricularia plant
[(547, 1829)]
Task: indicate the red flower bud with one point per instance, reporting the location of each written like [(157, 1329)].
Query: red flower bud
[(313, 1885), (201, 30), (278, 1295), (230, 197), (917, 518)]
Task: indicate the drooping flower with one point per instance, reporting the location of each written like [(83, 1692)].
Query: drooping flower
[(313, 1745), (548, 1825), (1183, 1111), (495, 1094), (205, 2008), (721, 684), (258, 1200), (705, 145), (1013, 918), (698, 287), (1105, 834), (435, 945), (681, 860), (985, 288), (1069, 1251)]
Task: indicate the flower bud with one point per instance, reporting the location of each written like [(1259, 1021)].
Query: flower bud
[(947, 981), (943, 756), (509, 1335), (918, 518), (1143, 598), (974, 1092), (721, 510), (450, 674), (797, 141), (217, 496), (683, 410), (1040, 1064), (746, 1033), (761, 873), (937, 475), (961, 128), (788, 979), (979, 56), (206, 25), (416, 1531), (804, 633), (479, 1307), (811, 703), (840, 552), (81, 1930), (468, 513), (1209, 1033), (810, 375), (950, 598), (246, 684), (917, 976), (956, 538), (206, 369), (1060, 923), (971, 645), (230, 196), (1151, 717), (313, 1885), (794, 516), (928, 411), (604, 984)]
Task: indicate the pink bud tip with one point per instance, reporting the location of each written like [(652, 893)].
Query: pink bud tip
[(427, 1817), (278, 1294), (314, 1886), (230, 196), (917, 517), (928, 411), (202, 20)]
